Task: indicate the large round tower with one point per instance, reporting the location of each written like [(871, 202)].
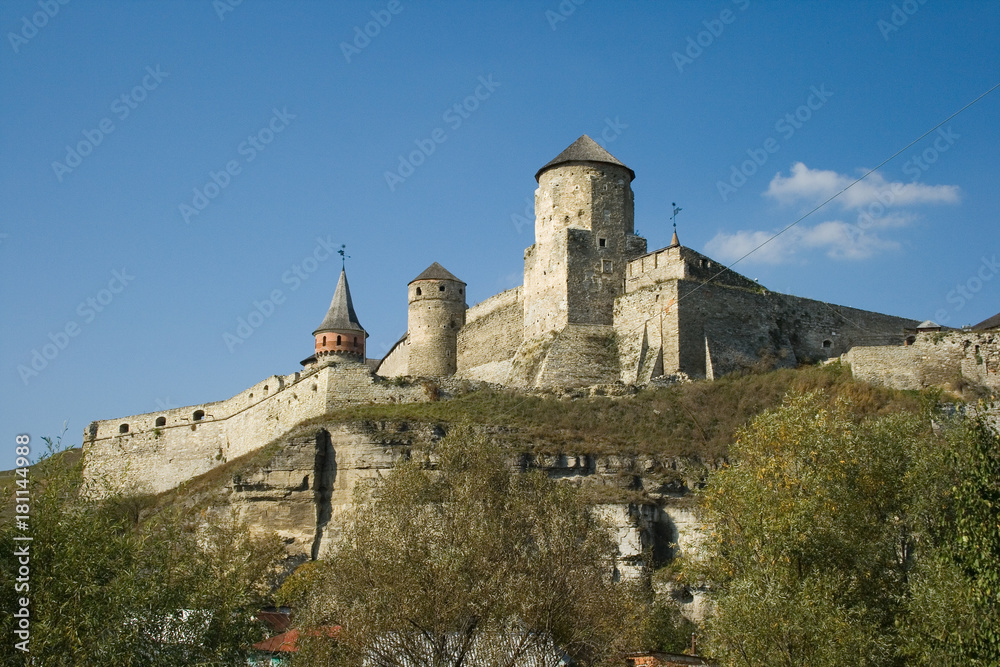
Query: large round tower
[(584, 235), (436, 313)]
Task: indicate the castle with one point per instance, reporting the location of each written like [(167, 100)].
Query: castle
[(595, 308)]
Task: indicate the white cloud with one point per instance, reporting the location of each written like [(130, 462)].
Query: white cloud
[(836, 238), (877, 206), (812, 186)]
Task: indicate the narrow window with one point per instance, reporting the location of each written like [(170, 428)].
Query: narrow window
[(355, 341), (418, 291), (123, 428), (198, 415), (338, 340), (602, 242), (161, 421), (440, 288), (460, 291), (324, 341)]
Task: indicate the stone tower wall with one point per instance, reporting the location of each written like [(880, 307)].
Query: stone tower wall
[(436, 315), (646, 326), (584, 233)]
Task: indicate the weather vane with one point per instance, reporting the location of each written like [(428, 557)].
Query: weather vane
[(674, 216), (343, 255)]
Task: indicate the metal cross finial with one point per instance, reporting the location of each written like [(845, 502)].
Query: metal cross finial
[(343, 255)]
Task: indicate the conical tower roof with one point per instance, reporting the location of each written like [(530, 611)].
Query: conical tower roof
[(341, 316), (674, 242), (436, 272), (583, 149)]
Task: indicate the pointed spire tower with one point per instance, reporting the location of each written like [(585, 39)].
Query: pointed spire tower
[(340, 333)]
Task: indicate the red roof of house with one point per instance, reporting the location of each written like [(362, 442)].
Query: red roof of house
[(278, 620), (287, 642)]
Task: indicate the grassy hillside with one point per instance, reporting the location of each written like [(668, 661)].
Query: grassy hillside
[(696, 419)]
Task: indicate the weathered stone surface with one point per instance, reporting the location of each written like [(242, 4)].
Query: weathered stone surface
[(157, 451), (949, 359)]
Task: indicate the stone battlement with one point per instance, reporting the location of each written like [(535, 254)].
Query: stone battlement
[(157, 451)]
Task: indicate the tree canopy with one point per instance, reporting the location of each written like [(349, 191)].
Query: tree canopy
[(833, 538), (107, 588), (467, 562)]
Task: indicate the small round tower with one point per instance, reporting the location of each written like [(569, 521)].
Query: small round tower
[(436, 314), (340, 334)]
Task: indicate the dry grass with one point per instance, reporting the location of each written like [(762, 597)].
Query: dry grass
[(692, 420)]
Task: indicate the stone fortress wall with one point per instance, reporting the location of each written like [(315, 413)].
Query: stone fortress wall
[(156, 451), (949, 358), (492, 335)]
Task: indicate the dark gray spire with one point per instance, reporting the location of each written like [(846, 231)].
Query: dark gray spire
[(436, 272), (341, 316), (584, 149)]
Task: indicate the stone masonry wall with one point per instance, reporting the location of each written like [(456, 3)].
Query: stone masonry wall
[(153, 458), (491, 336), (581, 355), (584, 234), (646, 325), (934, 359), (397, 361), (708, 330), (723, 329)]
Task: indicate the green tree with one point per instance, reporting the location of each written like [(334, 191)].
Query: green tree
[(107, 588), (469, 562), (954, 609), (813, 534)]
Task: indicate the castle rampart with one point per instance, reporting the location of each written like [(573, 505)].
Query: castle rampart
[(155, 456), (492, 334), (941, 359)]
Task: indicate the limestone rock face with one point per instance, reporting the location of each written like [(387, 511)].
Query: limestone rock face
[(304, 488), (300, 492)]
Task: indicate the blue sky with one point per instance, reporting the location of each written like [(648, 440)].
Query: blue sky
[(167, 167)]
